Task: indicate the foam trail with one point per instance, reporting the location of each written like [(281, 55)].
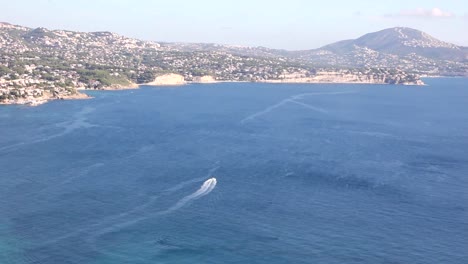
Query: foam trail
[(151, 201), (265, 111), (69, 179), (321, 110), (80, 121), (124, 214), (292, 99), (205, 189), (372, 134)]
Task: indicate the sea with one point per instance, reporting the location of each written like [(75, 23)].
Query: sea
[(238, 173)]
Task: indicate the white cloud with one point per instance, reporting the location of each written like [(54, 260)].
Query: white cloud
[(357, 13), (423, 13)]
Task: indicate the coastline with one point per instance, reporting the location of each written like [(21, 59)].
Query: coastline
[(335, 82), (309, 82), (174, 79), (36, 101), (83, 96), (116, 87), (113, 87)]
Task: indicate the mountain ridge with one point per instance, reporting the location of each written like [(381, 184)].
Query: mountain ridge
[(381, 47), (403, 41), (398, 28)]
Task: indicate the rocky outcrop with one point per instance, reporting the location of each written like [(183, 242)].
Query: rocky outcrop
[(121, 86), (168, 79), (204, 79), (34, 97), (339, 77), (75, 96)]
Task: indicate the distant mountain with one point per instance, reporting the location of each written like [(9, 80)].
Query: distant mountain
[(400, 47), (402, 41)]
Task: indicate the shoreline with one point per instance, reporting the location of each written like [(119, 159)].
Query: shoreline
[(283, 82), (45, 99), (114, 87), (83, 96), (331, 82), (443, 77)]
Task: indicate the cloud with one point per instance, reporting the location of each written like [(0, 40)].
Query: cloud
[(226, 28), (423, 13), (357, 13)]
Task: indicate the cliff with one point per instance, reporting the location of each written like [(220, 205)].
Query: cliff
[(168, 79), (350, 77), (121, 86)]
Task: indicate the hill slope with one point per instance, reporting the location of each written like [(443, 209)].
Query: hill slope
[(403, 41), (399, 47)]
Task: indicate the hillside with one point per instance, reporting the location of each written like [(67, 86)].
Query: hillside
[(404, 48), (402, 42), (39, 61)]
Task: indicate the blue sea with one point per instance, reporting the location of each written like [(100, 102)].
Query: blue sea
[(238, 173)]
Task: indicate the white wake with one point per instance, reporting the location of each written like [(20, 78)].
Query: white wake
[(311, 107), (79, 121), (205, 189), (294, 99), (265, 111)]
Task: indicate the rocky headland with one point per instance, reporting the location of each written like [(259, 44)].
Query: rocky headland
[(35, 97)]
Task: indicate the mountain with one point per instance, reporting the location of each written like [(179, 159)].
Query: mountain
[(404, 48), (403, 41)]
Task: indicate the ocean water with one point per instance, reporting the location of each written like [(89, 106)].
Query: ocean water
[(238, 173)]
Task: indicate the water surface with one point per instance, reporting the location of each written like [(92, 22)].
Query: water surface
[(304, 174)]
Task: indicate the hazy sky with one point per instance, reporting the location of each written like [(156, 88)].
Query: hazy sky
[(287, 24)]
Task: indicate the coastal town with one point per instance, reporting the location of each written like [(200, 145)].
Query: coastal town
[(37, 65)]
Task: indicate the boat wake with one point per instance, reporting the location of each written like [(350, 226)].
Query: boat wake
[(205, 189), (79, 121), (120, 218), (294, 99)]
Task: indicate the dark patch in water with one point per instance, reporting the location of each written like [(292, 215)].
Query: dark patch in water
[(437, 160), (346, 181)]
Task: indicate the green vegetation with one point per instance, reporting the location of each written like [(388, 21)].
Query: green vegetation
[(99, 78), (4, 70), (145, 77)]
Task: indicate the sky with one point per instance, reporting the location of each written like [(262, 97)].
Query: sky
[(285, 24)]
